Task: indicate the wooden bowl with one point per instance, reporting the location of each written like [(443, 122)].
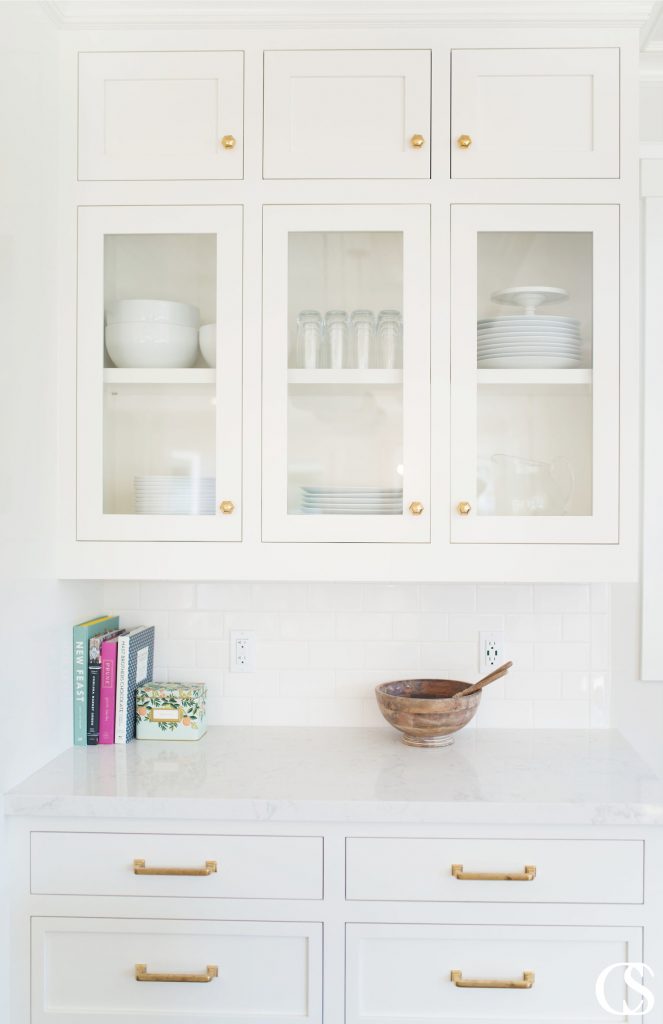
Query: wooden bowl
[(426, 711)]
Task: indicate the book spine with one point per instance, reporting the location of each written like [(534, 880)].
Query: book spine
[(80, 685), (93, 687), (121, 690), (107, 692)]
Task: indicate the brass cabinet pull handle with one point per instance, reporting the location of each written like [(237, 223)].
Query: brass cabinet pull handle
[(528, 875), (227, 507), (416, 508), (464, 508), (196, 979), (527, 982), (417, 141), (228, 141), (464, 141), (209, 869)]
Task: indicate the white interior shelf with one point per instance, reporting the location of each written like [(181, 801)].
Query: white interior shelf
[(345, 377), (529, 377), (159, 376)]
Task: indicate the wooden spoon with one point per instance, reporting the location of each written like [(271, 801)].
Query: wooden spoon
[(495, 674)]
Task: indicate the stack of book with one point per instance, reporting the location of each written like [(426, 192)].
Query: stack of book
[(109, 664)]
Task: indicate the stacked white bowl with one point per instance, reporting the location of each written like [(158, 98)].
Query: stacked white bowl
[(152, 333)]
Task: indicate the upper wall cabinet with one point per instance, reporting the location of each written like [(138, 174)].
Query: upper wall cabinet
[(160, 116), (347, 114), (535, 113)]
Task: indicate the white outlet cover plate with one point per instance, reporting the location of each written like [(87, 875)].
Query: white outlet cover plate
[(491, 640), (242, 650)]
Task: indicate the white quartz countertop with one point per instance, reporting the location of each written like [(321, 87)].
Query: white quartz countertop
[(356, 775)]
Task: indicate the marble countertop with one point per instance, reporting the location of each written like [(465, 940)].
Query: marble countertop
[(353, 775)]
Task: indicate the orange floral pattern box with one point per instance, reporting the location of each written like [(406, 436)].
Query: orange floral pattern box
[(171, 711)]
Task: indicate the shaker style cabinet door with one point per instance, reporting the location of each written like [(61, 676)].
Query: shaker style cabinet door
[(347, 114), (346, 381), (160, 116), (547, 113), (159, 402), (535, 374)]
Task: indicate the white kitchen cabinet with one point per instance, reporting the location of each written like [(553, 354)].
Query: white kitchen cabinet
[(347, 114), (535, 113), (160, 116), (143, 427), (535, 374), (346, 432), (456, 973), (246, 971)]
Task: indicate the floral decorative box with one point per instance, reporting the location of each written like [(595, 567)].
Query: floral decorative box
[(171, 711)]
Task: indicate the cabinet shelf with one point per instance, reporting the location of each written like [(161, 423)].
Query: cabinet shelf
[(539, 382), (333, 377), (159, 376)]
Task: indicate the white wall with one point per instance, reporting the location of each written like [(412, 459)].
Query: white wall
[(36, 611)]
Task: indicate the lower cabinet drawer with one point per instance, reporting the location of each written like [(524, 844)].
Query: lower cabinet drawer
[(84, 969), (403, 973), (229, 867), (564, 870)]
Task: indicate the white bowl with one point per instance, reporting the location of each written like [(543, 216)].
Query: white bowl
[(207, 339), (160, 311), (152, 345)]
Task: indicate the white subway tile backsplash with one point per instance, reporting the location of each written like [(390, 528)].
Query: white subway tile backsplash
[(321, 648)]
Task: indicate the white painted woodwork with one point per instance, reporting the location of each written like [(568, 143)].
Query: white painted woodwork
[(199, 232), (85, 967), (575, 424), (280, 306), (398, 973), (347, 113), (248, 867), (535, 113), (567, 871), (160, 116)]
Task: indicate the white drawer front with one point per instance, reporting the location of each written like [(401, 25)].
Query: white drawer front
[(248, 867), (398, 973), (160, 115), (347, 114), (567, 871), (84, 969)]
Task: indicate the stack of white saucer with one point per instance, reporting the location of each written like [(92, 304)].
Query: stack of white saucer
[(174, 495)]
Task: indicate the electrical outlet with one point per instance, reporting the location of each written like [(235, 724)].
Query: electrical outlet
[(242, 650), (491, 649)]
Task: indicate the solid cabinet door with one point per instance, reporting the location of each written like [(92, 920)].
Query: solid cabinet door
[(159, 416), (535, 374), (252, 972), (546, 113), (160, 116), (346, 373), (347, 114)]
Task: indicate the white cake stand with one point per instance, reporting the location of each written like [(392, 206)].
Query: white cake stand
[(529, 297)]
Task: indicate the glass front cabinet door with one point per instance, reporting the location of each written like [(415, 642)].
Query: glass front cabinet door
[(346, 373), (159, 373), (535, 374)]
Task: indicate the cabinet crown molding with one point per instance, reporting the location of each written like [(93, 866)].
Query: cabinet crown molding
[(290, 13)]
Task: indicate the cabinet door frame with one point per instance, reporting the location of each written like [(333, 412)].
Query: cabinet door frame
[(508, 161), (413, 66), (226, 67), (413, 221), (94, 223), (602, 526)]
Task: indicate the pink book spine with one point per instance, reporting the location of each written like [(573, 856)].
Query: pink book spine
[(107, 697)]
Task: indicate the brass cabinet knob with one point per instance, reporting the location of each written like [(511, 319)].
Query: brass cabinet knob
[(228, 141), (416, 508), (464, 508), (464, 141), (417, 141), (227, 507)]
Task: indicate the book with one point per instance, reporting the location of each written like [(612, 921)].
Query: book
[(135, 664), (94, 684), (101, 687), (82, 633)]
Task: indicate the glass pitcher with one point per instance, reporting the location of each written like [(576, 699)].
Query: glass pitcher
[(525, 487)]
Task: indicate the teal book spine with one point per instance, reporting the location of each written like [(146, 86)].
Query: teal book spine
[(82, 633)]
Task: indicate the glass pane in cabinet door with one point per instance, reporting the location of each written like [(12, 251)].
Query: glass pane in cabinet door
[(345, 376), (159, 421), (534, 363)]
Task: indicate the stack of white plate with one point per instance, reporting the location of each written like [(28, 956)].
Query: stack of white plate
[(174, 495), (343, 501), (528, 341)]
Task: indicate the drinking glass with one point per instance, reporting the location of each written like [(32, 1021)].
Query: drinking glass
[(362, 348), (309, 339), (390, 339), (336, 334)]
